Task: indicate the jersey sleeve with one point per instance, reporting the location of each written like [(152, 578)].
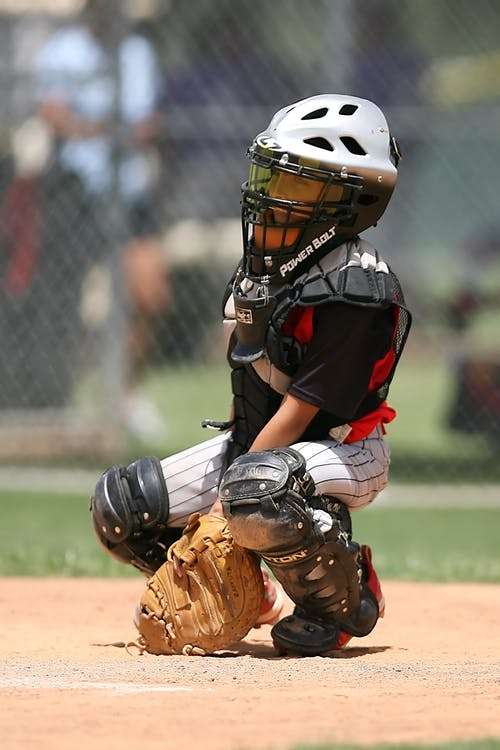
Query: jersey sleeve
[(347, 342)]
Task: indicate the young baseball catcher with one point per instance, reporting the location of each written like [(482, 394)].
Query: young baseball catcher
[(315, 323)]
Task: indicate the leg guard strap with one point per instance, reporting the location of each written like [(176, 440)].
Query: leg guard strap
[(269, 501)]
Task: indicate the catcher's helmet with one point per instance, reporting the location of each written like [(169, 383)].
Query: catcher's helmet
[(325, 166)]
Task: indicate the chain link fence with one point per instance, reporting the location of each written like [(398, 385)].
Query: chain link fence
[(122, 148)]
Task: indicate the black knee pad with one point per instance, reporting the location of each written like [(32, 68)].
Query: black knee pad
[(130, 511), (272, 508), (264, 499)]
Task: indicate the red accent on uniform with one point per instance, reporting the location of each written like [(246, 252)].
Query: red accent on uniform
[(381, 370), (362, 427), (269, 594), (272, 603), (372, 579), (299, 324), (373, 583), (383, 414), (384, 365), (342, 640)]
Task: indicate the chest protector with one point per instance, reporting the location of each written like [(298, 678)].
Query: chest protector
[(351, 273)]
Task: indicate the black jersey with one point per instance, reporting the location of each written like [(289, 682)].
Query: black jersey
[(347, 358), (341, 357), (333, 340)]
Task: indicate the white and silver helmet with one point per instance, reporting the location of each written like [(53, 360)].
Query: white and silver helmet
[(338, 144)]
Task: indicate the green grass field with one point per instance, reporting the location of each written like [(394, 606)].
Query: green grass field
[(423, 448), (43, 534), (490, 744)]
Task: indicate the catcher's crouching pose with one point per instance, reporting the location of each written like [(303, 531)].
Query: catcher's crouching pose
[(315, 323)]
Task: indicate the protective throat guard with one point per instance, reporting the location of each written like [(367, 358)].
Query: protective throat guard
[(256, 298), (254, 307), (271, 507)]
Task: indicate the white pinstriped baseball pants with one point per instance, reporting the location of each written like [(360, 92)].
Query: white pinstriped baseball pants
[(353, 473)]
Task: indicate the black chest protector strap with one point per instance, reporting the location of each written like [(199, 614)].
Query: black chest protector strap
[(371, 285), (374, 286)]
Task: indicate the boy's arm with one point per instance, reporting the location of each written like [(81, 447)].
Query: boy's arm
[(286, 426), (283, 429)]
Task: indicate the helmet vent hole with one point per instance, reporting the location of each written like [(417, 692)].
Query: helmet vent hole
[(319, 143), (367, 200), (352, 145), (316, 115), (348, 109)]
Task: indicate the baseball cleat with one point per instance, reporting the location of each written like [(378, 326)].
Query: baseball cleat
[(371, 580), (273, 602), (299, 635)]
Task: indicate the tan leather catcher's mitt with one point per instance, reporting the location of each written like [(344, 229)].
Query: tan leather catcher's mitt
[(213, 604)]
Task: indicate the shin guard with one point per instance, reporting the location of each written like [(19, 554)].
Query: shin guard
[(270, 502)]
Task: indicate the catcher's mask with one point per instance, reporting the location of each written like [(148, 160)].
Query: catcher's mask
[(325, 166), (322, 172)]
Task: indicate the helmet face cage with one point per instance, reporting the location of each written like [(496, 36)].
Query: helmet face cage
[(265, 204)]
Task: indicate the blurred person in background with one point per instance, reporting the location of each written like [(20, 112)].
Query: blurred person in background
[(472, 314), (42, 267), (77, 91)]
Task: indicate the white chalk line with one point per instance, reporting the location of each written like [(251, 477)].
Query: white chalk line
[(53, 683)]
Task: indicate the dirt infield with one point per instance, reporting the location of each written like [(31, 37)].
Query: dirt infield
[(429, 672)]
